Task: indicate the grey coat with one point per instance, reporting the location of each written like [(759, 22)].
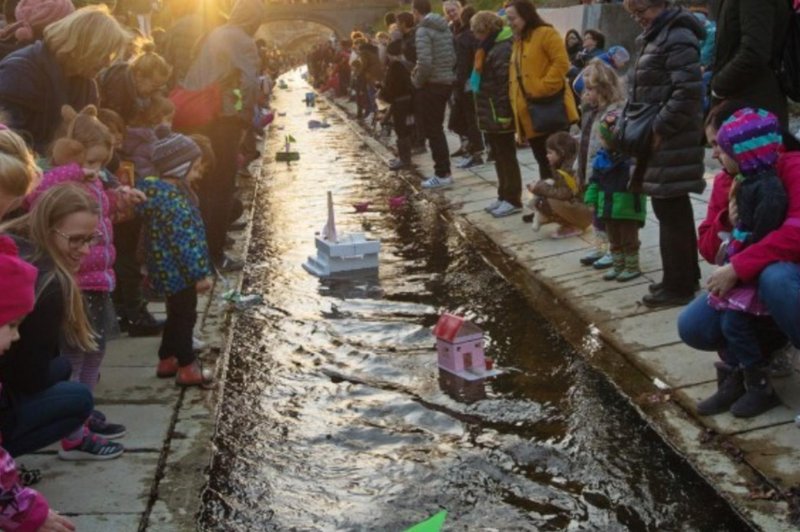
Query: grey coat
[(436, 55), (668, 73)]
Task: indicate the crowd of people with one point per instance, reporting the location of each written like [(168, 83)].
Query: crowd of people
[(119, 160), (610, 144)]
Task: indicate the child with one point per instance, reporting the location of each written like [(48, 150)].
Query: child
[(554, 199), (177, 254), (21, 508), (622, 211), (602, 88), (79, 157), (750, 143)]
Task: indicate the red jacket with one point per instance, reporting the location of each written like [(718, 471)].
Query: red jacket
[(708, 240), (783, 244)]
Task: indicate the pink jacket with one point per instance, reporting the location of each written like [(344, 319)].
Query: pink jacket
[(97, 269), (783, 244), (708, 241)]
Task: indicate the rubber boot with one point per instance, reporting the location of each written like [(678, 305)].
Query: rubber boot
[(730, 387), (618, 266), (632, 270), (759, 397)]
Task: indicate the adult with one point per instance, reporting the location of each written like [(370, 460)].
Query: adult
[(452, 13), (39, 403), (594, 44), (539, 66), (31, 18), (126, 87), (38, 80), (489, 86), (750, 35), (228, 57), (573, 42), (433, 78), (181, 38), (667, 74), (462, 111), (773, 262)]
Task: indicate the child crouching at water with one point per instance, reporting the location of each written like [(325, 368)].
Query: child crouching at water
[(177, 254), (621, 210)]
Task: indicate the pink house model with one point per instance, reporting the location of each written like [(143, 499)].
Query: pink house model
[(459, 344)]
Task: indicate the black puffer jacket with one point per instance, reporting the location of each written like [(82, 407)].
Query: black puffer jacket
[(466, 44), (492, 102), (750, 34), (668, 73)]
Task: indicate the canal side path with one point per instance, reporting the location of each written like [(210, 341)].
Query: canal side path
[(754, 463)]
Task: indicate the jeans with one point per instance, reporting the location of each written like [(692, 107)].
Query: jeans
[(431, 103), (509, 179), (779, 290), (677, 239), (704, 328), (37, 420), (176, 341)]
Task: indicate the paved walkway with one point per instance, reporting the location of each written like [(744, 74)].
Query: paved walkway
[(646, 338)]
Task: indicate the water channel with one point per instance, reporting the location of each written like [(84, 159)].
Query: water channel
[(335, 416)]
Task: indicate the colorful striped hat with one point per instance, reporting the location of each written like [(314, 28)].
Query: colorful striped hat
[(752, 138)]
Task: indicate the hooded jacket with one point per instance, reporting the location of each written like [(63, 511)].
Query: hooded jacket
[(436, 55), (667, 74), (229, 57)]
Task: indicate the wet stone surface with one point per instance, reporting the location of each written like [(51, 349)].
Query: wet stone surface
[(335, 415)]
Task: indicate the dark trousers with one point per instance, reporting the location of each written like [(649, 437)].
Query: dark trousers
[(128, 298), (539, 148), (677, 240), (217, 188), (464, 122), (402, 113), (431, 103), (176, 341), (623, 236), (509, 179), (35, 421)]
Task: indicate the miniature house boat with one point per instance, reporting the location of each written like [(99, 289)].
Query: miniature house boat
[(460, 348), (338, 254)]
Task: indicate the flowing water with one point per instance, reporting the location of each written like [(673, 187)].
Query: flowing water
[(335, 416)]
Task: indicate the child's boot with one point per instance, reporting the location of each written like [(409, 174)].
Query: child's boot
[(631, 268), (167, 367), (760, 395), (194, 375), (599, 251), (730, 387), (618, 266)]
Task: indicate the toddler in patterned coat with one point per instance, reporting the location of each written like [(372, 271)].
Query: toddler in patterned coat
[(177, 260)]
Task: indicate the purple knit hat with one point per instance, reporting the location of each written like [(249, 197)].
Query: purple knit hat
[(752, 138)]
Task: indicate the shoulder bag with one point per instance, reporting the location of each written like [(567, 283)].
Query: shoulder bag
[(548, 114), (635, 132)]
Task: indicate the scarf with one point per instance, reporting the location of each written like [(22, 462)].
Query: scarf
[(480, 58)]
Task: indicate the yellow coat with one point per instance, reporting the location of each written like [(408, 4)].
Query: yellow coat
[(544, 63)]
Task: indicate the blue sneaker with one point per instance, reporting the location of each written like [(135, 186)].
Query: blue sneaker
[(99, 425)]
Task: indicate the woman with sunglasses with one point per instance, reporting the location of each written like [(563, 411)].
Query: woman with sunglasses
[(38, 404)]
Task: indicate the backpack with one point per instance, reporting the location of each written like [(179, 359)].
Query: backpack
[(788, 64)]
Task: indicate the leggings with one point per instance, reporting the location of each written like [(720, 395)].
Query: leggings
[(539, 148)]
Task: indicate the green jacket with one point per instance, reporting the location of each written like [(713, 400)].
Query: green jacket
[(608, 190)]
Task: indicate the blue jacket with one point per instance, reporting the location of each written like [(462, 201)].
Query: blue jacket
[(175, 238), (33, 88)]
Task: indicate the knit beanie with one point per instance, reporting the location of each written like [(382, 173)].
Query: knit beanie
[(34, 15), (752, 138), (173, 153), (17, 283)]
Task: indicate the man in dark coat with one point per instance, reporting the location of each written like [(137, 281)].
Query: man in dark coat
[(667, 74), (750, 35)]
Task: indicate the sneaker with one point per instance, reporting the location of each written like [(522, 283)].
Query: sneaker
[(606, 261), (505, 209), (145, 324), (592, 257), (397, 164), (438, 182), (493, 205), (198, 344), (228, 265), (98, 424), (469, 162), (89, 447), (566, 232)]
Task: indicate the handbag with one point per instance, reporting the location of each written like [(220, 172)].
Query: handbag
[(548, 114), (635, 132), (196, 108)]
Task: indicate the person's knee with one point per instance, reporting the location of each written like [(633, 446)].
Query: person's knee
[(692, 329), (74, 399), (774, 280)]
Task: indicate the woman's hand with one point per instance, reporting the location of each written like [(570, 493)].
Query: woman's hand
[(722, 280), (56, 523)]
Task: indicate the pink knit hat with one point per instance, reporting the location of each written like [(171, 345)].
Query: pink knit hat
[(17, 283), (34, 15)]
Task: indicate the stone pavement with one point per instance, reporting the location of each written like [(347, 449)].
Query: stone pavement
[(743, 459), (156, 485)]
